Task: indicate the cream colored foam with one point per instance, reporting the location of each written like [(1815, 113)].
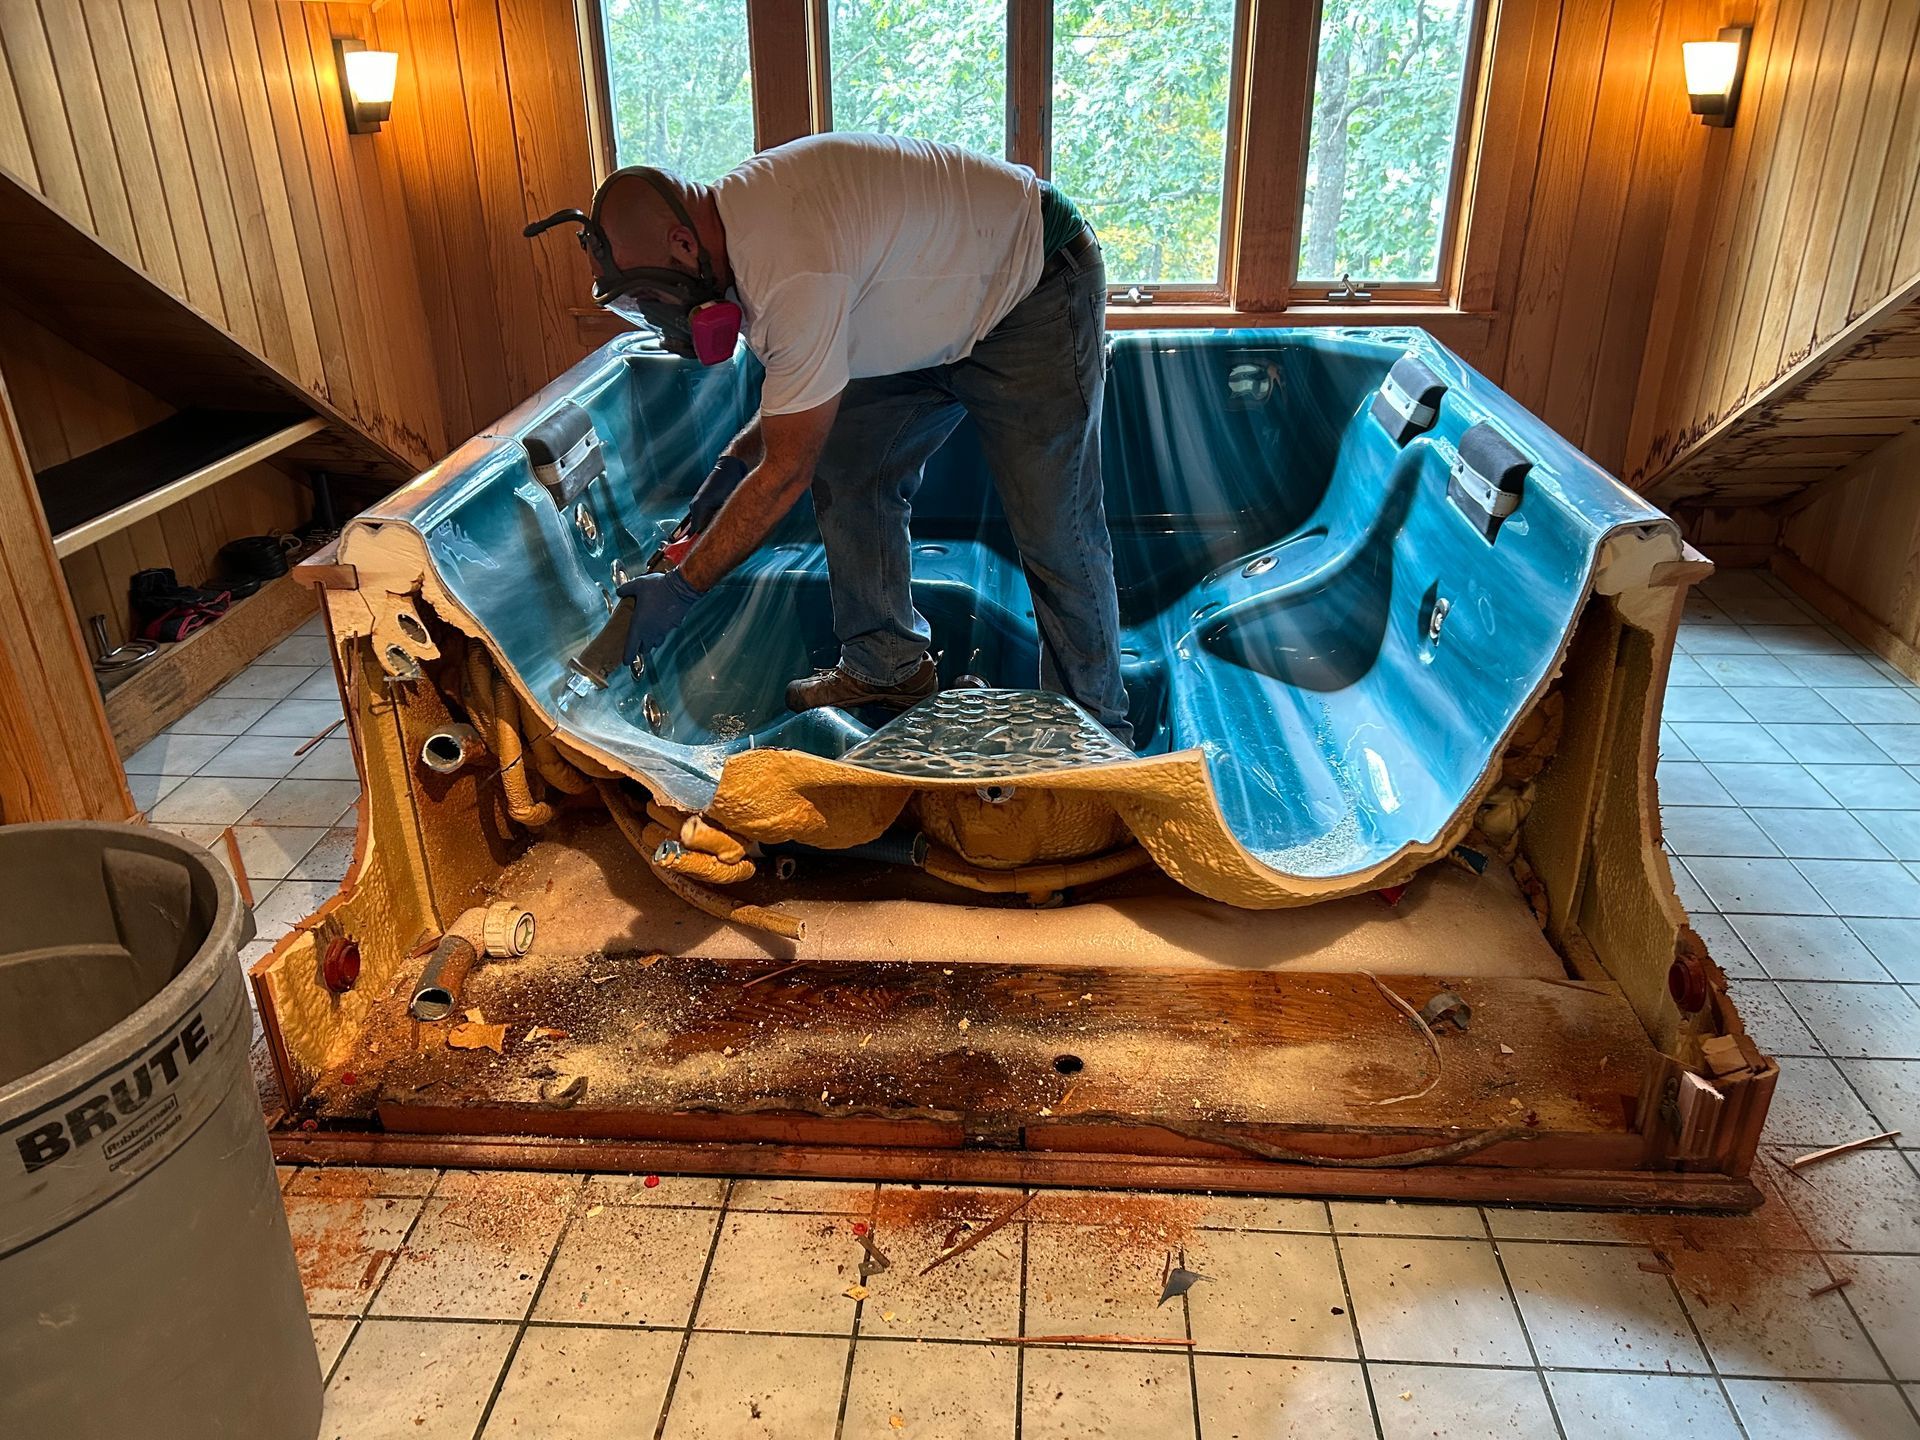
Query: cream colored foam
[(1450, 923)]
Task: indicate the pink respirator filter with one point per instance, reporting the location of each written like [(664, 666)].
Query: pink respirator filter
[(715, 327)]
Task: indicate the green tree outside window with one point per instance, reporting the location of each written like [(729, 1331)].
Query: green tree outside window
[(681, 84), (1386, 110)]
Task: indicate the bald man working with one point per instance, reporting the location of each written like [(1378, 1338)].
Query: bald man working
[(888, 287)]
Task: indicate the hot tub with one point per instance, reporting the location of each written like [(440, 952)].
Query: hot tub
[(1395, 655), (1330, 636)]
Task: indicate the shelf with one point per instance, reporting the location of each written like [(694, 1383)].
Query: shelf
[(54, 270), (104, 491)]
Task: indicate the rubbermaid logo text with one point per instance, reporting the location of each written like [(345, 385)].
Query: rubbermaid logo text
[(92, 1116)]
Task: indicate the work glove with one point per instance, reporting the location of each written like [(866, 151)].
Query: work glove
[(725, 477), (660, 602)]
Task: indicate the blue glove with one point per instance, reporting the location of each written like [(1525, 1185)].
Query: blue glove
[(725, 477), (660, 602)]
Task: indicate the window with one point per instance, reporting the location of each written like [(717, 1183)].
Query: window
[(679, 84), (1238, 153), (1140, 91), (1384, 138), (929, 69)]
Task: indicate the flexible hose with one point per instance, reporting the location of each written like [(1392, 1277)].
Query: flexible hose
[(490, 701), (943, 864), (664, 852), (758, 917), (554, 768), (697, 833)]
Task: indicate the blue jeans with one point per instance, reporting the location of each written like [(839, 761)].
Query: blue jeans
[(1033, 387)]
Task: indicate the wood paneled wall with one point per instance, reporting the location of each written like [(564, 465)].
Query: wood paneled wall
[(1615, 152), (1860, 535), (66, 404), (1802, 219), (204, 141), (57, 759), (490, 132)]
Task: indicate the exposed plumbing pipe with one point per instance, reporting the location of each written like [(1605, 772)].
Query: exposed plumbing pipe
[(493, 705), (907, 848), (452, 749), (554, 768), (501, 930), (1038, 881), (758, 917)]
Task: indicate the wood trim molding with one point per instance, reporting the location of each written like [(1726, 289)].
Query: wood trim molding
[(1276, 112), (1030, 84), (57, 757), (1861, 624), (780, 42), (69, 542)]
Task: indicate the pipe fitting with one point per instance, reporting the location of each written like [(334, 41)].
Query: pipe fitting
[(452, 749), (501, 931)]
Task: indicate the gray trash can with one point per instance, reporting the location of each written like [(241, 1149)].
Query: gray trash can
[(147, 1279)]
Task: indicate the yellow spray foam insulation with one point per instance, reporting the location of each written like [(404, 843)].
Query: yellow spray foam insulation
[(1165, 801)]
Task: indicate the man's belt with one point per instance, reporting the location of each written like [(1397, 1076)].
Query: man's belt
[(1080, 247)]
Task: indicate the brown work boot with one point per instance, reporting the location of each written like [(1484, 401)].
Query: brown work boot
[(840, 687)]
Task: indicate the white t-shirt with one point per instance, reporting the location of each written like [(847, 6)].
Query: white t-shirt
[(861, 255)]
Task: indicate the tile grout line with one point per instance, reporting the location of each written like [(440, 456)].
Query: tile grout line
[(1706, 1352), (1353, 1324), (539, 1288), (859, 1315), (1193, 1363), (693, 1314), (1020, 1351), (1526, 1332), (1899, 1389), (393, 1261)]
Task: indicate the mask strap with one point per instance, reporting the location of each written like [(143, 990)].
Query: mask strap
[(665, 192)]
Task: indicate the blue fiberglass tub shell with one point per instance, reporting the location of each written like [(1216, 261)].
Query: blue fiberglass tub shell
[(1333, 617)]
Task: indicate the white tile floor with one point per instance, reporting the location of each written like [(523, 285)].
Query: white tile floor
[(448, 1304)]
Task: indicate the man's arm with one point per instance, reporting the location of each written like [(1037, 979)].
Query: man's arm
[(789, 446), (747, 446)]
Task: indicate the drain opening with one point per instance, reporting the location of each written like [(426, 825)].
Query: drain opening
[(1069, 1064)]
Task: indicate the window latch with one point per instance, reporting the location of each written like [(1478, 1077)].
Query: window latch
[(1349, 293), (1132, 295)]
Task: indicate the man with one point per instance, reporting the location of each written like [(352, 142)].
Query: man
[(889, 287)]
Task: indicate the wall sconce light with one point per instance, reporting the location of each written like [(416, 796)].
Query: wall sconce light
[(1714, 71), (366, 83)]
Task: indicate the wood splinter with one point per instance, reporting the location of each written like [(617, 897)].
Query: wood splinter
[(982, 1233), (1829, 1287), (1816, 1156)]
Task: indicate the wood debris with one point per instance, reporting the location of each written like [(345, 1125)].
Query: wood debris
[(1829, 1287), (1659, 1264), (977, 1236), (1816, 1156), (567, 1096), (1433, 1042), (544, 1032), (471, 1035)]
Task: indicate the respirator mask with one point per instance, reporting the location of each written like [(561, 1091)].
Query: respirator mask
[(691, 313)]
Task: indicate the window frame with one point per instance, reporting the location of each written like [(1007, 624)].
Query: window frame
[(1275, 54), (1452, 227)]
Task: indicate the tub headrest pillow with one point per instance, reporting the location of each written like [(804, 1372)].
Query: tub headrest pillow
[(1408, 400), (565, 451), (1487, 478)]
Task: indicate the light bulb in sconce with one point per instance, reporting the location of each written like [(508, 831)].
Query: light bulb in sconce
[(366, 84), (1714, 70)]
